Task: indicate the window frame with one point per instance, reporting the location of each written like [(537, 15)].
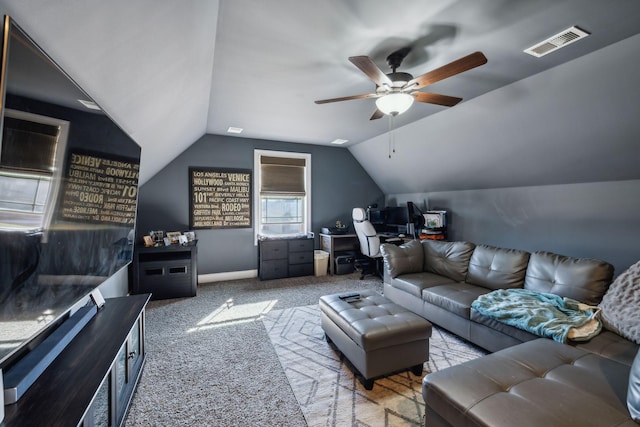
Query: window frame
[(257, 200), (55, 177)]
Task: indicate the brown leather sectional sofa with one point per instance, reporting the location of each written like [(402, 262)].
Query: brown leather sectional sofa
[(528, 381)]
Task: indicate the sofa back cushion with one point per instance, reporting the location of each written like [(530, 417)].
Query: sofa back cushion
[(582, 279), (497, 268), (449, 259), (403, 259)]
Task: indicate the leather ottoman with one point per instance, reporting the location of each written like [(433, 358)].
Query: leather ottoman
[(377, 336)]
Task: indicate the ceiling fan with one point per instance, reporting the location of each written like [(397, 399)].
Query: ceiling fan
[(396, 91)]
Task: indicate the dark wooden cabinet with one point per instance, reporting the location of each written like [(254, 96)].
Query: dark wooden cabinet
[(165, 271), (92, 381), (281, 258)]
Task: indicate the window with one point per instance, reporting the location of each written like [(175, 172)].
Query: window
[(282, 193), (31, 151)]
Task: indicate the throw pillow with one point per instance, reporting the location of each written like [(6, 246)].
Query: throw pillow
[(621, 305), (633, 393), (402, 259)]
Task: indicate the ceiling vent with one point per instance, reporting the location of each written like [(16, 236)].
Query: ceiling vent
[(554, 43)]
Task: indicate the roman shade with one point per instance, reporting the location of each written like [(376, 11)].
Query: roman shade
[(282, 175)]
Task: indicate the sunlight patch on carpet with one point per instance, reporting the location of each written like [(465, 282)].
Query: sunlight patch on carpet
[(230, 314), (326, 389)]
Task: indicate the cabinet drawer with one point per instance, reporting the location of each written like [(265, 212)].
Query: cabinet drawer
[(273, 249), (301, 270), (300, 245), (168, 279), (274, 269), (300, 257)]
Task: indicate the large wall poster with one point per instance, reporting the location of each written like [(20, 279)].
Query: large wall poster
[(100, 188), (219, 198)]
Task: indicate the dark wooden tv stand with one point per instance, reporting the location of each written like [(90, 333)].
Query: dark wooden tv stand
[(92, 381)]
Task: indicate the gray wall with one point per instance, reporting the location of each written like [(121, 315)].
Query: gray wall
[(339, 183), (597, 220)]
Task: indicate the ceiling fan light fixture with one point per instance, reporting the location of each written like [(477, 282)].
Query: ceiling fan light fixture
[(394, 103)]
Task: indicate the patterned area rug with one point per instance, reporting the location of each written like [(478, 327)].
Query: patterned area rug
[(325, 387)]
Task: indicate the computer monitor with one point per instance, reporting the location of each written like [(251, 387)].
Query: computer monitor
[(376, 216), (396, 216)]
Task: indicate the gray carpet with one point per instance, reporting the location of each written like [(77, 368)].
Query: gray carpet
[(211, 366), (210, 361)]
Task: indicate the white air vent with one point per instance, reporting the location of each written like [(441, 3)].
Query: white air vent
[(554, 43)]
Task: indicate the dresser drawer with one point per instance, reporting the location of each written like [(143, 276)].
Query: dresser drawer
[(300, 270), (300, 257), (274, 269), (298, 245), (273, 249)]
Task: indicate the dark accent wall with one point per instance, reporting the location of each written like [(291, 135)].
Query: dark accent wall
[(338, 182), (597, 220)]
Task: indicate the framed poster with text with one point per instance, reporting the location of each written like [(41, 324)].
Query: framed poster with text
[(99, 188), (219, 198)]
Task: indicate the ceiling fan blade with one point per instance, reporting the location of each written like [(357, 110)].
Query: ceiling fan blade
[(451, 69), (435, 98), (367, 66), (347, 98), (376, 115)]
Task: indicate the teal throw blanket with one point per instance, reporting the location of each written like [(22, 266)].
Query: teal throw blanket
[(542, 314)]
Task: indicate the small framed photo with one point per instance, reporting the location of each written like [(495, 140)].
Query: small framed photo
[(182, 240), (148, 241), (167, 241), (174, 236), (191, 235), (157, 235)]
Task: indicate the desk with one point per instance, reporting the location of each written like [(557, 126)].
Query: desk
[(333, 243), (336, 243)]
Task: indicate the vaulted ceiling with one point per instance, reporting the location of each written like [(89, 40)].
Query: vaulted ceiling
[(168, 72)]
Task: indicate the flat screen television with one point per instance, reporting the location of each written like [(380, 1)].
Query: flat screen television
[(68, 195)]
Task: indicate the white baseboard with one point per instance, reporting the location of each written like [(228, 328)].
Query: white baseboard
[(229, 275)]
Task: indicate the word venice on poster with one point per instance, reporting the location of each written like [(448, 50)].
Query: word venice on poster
[(100, 188), (220, 198)]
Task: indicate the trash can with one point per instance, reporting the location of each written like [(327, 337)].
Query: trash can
[(320, 262)]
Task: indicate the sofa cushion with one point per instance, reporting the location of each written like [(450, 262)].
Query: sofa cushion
[(511, 331), (583, 279), (497, 268), (633, 392), (449, 259), (414, 283), (621, 305), (610, 345), (406, 258), (454, 297), (538, 383)]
